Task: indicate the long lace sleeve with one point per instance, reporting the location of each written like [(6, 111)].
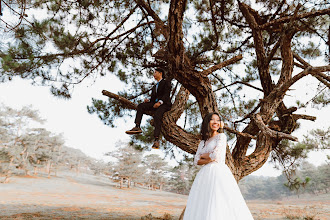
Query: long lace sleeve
[(219, 152), (198, 153)]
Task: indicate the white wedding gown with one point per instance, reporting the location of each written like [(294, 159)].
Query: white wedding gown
[(214, 194)]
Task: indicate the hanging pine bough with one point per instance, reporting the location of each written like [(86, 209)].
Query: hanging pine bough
[(200, 44), (15, 15)]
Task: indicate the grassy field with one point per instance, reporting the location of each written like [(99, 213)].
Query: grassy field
[(83, 196)]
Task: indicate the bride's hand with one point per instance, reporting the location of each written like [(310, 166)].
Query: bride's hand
[(205, 156)]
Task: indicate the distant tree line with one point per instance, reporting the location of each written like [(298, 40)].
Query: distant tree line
[(26, 148), (132, 167), (153, 172), (259, 187)]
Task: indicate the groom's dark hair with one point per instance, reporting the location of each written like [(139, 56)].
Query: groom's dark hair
[(161, 71)]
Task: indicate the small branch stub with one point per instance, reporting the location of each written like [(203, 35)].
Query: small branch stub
[(126, 102)]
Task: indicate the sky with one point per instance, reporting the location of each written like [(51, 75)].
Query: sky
[(80, 129)]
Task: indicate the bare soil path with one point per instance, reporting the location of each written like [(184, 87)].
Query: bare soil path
[(83, 196)]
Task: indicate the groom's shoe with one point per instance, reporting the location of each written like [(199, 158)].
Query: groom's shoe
[(156, 144), (135, 130)]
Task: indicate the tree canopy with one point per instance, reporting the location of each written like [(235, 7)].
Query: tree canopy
[(237, 58)]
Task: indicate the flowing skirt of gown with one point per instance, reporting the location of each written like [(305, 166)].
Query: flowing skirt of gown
[(215, 195)]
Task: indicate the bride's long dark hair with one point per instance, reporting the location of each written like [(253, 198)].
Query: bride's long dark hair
[(206, 130)]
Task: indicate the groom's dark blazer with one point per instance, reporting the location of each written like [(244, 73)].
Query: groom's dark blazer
[(162, 93)]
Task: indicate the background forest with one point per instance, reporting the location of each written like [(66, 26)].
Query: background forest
[(28, 149)]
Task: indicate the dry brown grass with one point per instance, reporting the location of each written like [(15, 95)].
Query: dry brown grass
[(166, 216), (72, 196), (306, 213)]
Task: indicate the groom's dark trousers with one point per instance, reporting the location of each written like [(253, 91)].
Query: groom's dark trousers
[(160, 92)]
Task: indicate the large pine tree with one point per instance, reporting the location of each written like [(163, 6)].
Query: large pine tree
[(199, 43)]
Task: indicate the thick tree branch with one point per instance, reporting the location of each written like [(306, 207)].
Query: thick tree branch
[(127, 103), (221, 65), (142, 93), (298, 65), (301, 60), (321, 79), (259, 157), (273, 51), (180, 66), (271, 133), (294, 63), (214, 23), (286, 54), (174, 133), (162, 28), (315, 71), (179, 103), (263, 66), (309, 70), (285, 86), (320, 69), (171, 131), (242, 144), (306, 117)]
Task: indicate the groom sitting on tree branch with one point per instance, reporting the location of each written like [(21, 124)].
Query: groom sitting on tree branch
[(159, 103)]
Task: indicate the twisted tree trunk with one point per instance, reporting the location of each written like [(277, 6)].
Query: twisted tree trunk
[(198, 84)]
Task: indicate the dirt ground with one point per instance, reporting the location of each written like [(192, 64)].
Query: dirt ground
[(83, 196)]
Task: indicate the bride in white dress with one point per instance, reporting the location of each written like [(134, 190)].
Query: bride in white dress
[(214, 194)]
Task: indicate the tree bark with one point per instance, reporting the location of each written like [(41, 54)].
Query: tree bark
[(198, 84)]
